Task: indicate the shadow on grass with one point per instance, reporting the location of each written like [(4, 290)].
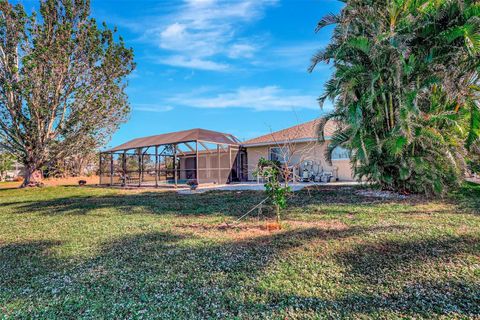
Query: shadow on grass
[(448, 298), (390, 270), (159, 272), (170, 276), (468, 197), (229, 203), (224, 203), (376, 263), (21, 262)]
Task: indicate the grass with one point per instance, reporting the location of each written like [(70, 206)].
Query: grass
[(9, 184), (70, 252)]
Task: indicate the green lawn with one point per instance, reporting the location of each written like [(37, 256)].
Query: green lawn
[(69, 252)]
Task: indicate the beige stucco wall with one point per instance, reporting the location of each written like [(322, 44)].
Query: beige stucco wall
[(344, 170), (253, 155), (301, 152)]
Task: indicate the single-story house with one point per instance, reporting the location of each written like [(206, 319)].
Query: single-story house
[(13, 173), (215, 157), (298, 147)]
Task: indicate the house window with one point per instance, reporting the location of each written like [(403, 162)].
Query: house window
[(278, 154), (340, 153)]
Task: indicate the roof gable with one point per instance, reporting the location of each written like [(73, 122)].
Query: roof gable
[(305, 131)]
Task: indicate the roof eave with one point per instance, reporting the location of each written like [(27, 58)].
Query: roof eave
[(276, 143), (118, 149)]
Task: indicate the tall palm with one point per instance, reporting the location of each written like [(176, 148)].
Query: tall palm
[(405, 89)]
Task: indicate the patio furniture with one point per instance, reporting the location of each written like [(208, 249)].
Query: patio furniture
[(317, 172), (312, 171), (307, 171), (326, 176), (291, 173), (305, 175), (296, 174)]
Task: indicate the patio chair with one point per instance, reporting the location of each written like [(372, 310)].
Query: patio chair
[(291, 173), (307, 171), (326, 176), (317, 172), (296, 174)]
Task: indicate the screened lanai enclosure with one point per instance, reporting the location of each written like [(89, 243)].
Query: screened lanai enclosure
[(173, 159)]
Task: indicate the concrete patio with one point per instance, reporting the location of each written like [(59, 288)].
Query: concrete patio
[(253, 186)]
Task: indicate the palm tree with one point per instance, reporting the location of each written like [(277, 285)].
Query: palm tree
[(405, 89)]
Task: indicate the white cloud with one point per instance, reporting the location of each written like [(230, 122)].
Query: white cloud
[(173, 31), (295, 56), (151, 107), (241, 50), (257, 98), (200, 2), (203, 34), (194, 63)]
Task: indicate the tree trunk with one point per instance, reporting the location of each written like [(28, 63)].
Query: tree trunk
[(79, 168), (32, 177), (277, 209), (392, 115)]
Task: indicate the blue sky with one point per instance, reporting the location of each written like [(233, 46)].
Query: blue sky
[(235, 66)]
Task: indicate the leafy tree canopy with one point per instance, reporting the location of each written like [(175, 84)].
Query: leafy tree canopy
[(62, 81), (405, 89)]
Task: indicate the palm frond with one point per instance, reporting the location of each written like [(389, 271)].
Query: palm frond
[(321, 125), (469, 32), (360, 43), (318, 57), (474, 132), (400, 71), (472, 11), (338, 139), (395, 145), (327, 20)]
